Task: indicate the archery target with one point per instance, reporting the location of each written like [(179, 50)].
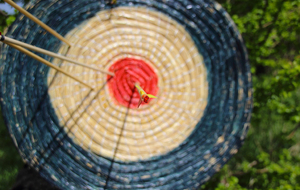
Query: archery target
[(142, 46), (188, 53)]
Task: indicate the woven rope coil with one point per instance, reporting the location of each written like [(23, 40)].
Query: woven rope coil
[(77, 138), (151, 130)]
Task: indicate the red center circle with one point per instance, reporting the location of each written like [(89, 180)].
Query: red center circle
[(129, 71)]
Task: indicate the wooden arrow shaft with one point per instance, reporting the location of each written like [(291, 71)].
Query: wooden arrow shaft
[(49, 53), (33, 18), (40, 59)]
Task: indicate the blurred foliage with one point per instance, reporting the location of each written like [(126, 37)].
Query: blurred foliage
[(10, 161), (269, 158), (5, 18)]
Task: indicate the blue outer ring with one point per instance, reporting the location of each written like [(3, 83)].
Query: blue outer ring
[(32, 122)]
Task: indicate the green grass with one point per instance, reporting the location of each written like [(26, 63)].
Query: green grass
[(10, 161)]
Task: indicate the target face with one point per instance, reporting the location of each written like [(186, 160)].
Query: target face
[(142, 46), (186, 53)]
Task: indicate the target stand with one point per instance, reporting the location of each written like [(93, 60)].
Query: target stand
[(187, 53)]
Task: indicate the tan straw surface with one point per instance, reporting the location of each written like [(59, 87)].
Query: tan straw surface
[(153, 129)]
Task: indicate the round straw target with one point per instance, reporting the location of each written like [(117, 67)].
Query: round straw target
[(177, 108)]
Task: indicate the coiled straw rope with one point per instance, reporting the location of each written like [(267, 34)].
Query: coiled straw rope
[(187, 53)]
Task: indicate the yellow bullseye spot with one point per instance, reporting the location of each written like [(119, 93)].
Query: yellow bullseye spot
[(94, 120)]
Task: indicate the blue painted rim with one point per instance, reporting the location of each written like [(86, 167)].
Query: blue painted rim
[(32, 122)]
